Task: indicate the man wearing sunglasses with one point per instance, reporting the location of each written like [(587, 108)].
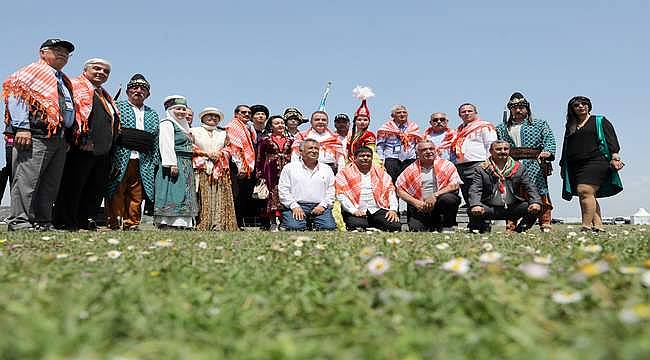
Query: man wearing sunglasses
[(39, 109), (440, 134), (242, 138)]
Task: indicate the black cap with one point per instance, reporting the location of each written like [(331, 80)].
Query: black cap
[(58, 43), (138, 80), (259, 108), (342, 117)]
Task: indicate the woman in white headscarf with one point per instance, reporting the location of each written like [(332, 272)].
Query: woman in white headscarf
[(215, 199), (175, 196)]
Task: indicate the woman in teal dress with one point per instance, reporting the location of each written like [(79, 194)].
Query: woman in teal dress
[(175, 195)]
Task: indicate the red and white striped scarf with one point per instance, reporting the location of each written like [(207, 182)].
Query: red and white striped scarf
[(241, 144), (348, 183), (411, 178), (84, 92), (447, 140), (465, 131), (36, 85), (410, 135), (331, 145)]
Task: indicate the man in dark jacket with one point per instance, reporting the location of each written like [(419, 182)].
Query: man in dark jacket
[(501, 190)]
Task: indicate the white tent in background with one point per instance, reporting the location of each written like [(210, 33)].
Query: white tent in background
[(641, 217)]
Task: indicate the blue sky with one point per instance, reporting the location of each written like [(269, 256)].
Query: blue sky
[(428, 55)]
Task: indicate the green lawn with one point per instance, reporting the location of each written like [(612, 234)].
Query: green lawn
[(189, 295)]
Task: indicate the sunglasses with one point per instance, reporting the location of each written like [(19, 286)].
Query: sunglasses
[(244, 112), (440, 120)]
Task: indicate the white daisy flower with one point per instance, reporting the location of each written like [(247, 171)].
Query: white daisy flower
[(566, 297), (457, 265), (130, 247), (113, 241), (260, 258), (319, 246), (490, 257), (645, 279), (592, 249), (297, 253), (202, 245), (298, 243), (62, 256), (534, 271), (543, 260), (393, 241), (47, 238), (442, 246), (487, 247), (366, 253), (92, 258), (378, 266), (113, 254), (634, 314), (164, 243)]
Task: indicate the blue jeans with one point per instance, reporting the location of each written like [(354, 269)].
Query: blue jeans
[(324, 221)]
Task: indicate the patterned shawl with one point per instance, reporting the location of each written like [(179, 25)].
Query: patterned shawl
[(348, 183), (37, 86), (391, 129), (84, 92), (355, 142), (508, 170), (410, 180), (241, 144), (447, 140), (465, 131), (331, 144)]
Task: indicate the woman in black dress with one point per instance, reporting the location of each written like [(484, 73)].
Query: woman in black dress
[(590, 161)]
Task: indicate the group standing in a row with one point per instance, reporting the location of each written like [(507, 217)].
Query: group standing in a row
[(74, 146)]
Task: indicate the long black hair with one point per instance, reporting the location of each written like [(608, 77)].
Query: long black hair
[(571, 118)]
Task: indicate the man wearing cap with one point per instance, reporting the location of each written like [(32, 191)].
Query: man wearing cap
[(133, 158), (396, 141), (331, 150), (39, 109), (342, 126), (259, 115), (293, 118), (440, 134), (532, 142), (87, 163)]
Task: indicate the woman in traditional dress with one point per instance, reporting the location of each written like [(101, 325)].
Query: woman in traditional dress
[(590, 161), (273, 152), (175, 193), (215, 199), (360, 135)]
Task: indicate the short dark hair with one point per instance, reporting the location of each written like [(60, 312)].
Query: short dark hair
[(466, 104), (240, 106), (318, 112), (361, 149), (497, 142)]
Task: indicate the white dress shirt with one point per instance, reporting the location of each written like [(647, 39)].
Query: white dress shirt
[(300, 184), (477, 147), (366, 199), (139, 124)]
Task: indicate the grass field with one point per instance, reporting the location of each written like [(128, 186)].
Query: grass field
[(191, 295)]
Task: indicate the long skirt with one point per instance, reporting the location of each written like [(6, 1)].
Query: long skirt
[(216, 205), (175, 196)]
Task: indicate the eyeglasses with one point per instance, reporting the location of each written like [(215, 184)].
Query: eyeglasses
[(244, 112), (59, 52), (440, 120)]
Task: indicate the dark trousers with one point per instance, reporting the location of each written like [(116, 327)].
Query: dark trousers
[(443, 214), (466, 172), (513, 213), (394, 167), (377, 220), (5, 173), (242, 192), (84, 180)]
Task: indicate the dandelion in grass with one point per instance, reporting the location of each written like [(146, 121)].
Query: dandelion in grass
[(297, 253), (164, 243), (378, 266), (535, 271), (490, 257), (645, 279), (298, 243), (543, 260), (202, 245), (92, 259), (592, 249), (366, 253), (457, 265), (154, 273), (442, 246), (629, 270), (2, 241), (635, 314), (113, 241), (113, 254), (62, 256), (566, 297), (590, 269), (393, 241)]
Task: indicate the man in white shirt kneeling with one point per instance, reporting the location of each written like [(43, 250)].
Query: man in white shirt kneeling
[(306, 189), (367, 194)]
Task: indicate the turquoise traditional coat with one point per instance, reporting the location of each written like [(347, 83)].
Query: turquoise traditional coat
[(121, 155)]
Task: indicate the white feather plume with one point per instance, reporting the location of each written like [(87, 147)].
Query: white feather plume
[(362, 92)]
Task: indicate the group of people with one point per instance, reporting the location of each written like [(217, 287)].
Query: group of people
[(73, 146)]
